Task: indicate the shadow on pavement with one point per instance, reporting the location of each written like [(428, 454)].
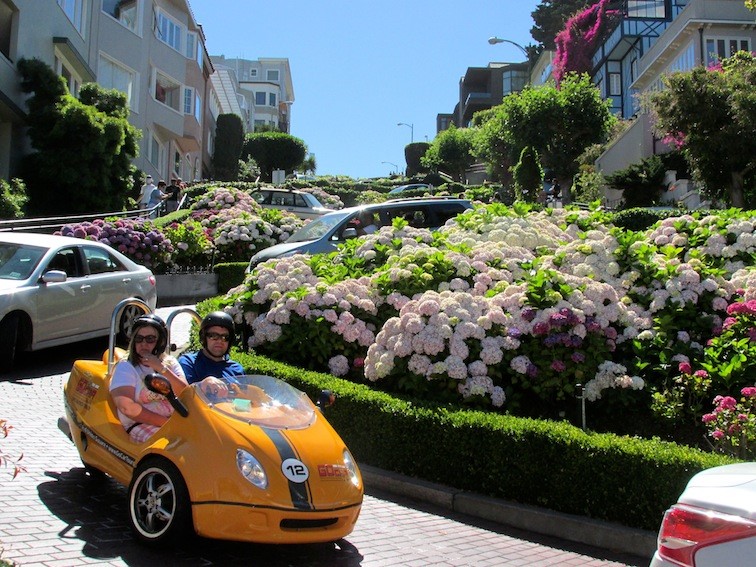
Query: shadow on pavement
[(55, 360), (95, 513)]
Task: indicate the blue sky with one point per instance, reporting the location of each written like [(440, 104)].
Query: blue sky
[(359, 68)]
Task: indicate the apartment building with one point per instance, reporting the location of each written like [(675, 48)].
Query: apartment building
[(266, 88), (153, 50), (700, 32)]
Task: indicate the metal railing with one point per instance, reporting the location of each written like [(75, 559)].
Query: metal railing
[(49, 225)]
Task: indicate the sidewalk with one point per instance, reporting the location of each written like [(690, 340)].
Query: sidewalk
[(542, 521)]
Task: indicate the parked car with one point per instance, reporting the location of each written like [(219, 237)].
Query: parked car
[(713, 523), (260, 465), (324, 234), (410, 187), (303, 204), (56, 290)]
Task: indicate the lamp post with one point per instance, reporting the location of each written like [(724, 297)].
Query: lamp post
[(412, 130), (396, 167), (494, 40)]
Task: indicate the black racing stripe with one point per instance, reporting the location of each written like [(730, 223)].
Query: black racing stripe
[(268, 507), (300, 493)]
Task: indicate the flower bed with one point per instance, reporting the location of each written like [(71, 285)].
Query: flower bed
[(508, 307)]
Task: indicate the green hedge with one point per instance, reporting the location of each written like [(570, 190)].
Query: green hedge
[(230, 274), (549, 464)]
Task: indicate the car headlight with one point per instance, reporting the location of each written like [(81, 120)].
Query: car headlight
[(251, 468), (352, 468)]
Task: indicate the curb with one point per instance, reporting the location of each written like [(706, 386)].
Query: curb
[(604, 535)]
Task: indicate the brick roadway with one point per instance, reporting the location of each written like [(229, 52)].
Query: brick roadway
[(53, 514)]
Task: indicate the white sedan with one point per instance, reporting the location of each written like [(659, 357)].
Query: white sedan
[(303, 204), (713, 523), (56, 290)]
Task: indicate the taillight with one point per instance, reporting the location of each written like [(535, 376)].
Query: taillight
[(686, 529)]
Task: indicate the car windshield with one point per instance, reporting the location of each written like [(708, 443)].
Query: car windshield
[(264, 401), (317, 228), (17, 261)]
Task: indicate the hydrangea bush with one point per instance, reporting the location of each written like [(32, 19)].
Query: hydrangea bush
[(137, 238), (505, 305)]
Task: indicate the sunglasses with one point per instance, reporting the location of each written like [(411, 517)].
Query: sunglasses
[(218, 337), (149, 339)]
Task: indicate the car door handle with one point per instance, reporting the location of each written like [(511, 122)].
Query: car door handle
[(126, 280), (85, 288)]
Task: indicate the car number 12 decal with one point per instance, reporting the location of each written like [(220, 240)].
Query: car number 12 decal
[(295, 470)]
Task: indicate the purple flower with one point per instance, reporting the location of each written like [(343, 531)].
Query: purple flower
[(528, 314), (558, 366), (577, 357), (540, 329), (557, 320)]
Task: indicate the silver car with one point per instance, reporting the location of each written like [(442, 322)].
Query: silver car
[(324, 234), (56, 290), (303, 204)]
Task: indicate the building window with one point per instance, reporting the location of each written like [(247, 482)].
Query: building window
[(198, 107), (112, 75), (272, 75), (718, 48), (125, 11), (7, 14), (63, 69), (167, 91), (271, 99), (74, 9), (646, 9), (177, 163), (615, 84), (259, 99), (155, 152), (169, 32), (188, 100), (253, 73)]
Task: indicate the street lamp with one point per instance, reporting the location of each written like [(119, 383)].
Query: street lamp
[(412, 130), (396, 167), (494, 40)]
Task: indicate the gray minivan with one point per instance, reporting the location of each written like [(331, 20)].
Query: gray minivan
[(323, 234)]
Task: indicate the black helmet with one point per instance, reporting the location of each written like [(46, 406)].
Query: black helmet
[(151, 320), (217, 319)]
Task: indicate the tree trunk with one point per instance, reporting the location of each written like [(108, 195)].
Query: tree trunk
[(737, 199)]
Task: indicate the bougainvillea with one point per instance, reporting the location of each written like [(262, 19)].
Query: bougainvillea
[(577, 42)]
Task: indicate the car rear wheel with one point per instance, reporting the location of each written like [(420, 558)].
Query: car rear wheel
[(8, 342), (159, 507), (126, 322)]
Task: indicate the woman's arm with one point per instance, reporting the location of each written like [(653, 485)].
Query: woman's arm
[(124, 401)]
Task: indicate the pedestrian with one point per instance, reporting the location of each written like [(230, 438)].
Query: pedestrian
[(146, 194), (174, 194), (212, 364), (156, 199)]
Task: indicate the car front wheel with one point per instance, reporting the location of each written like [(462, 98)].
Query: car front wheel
[(8, 342), (159, 507)]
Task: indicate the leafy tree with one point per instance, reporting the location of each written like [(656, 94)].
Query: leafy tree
[(450, 152), (528, 176), (711, 115), (274, 150), (84, 146), (582, 34), (550, 16), (309, 165), (13, 198), (229, 141), (641, 183), (560, 123), (413, 154)]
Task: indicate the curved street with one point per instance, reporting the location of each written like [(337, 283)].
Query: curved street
[(53, 514)]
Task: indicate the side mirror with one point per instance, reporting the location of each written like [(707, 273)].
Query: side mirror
[(161, 385), (349, 233), (326, 398)]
